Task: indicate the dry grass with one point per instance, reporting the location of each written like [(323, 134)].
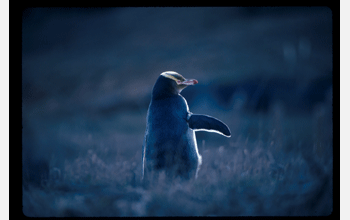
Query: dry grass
[(260, 176)]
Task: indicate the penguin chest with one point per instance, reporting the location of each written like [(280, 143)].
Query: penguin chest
[(173, 151), (170, 140), (168, 135), (167, 118)]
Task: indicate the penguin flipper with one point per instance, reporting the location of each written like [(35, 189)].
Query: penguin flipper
[(208, 123)]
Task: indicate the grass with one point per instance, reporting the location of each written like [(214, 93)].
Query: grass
[(280, 170)]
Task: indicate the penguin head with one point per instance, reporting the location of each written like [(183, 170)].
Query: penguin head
[(171, 83)]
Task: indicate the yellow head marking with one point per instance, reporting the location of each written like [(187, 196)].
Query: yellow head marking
[(173, 75)]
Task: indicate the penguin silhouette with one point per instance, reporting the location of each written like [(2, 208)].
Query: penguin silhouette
[(170, 142)]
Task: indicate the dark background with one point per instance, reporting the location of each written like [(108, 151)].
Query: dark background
[(87, 77)]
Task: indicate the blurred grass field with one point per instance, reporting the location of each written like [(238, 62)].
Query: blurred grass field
[(274, 168)]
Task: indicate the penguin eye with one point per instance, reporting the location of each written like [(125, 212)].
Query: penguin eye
[(178, 82)]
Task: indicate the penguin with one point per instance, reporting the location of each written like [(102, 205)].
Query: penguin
[(170, 143)]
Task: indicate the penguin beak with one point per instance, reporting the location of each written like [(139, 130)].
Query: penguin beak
[(187, 82)]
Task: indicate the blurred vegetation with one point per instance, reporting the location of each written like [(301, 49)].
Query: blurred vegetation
[(87, 77)]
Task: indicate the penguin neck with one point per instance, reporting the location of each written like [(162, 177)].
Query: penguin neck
[(164, 89)]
